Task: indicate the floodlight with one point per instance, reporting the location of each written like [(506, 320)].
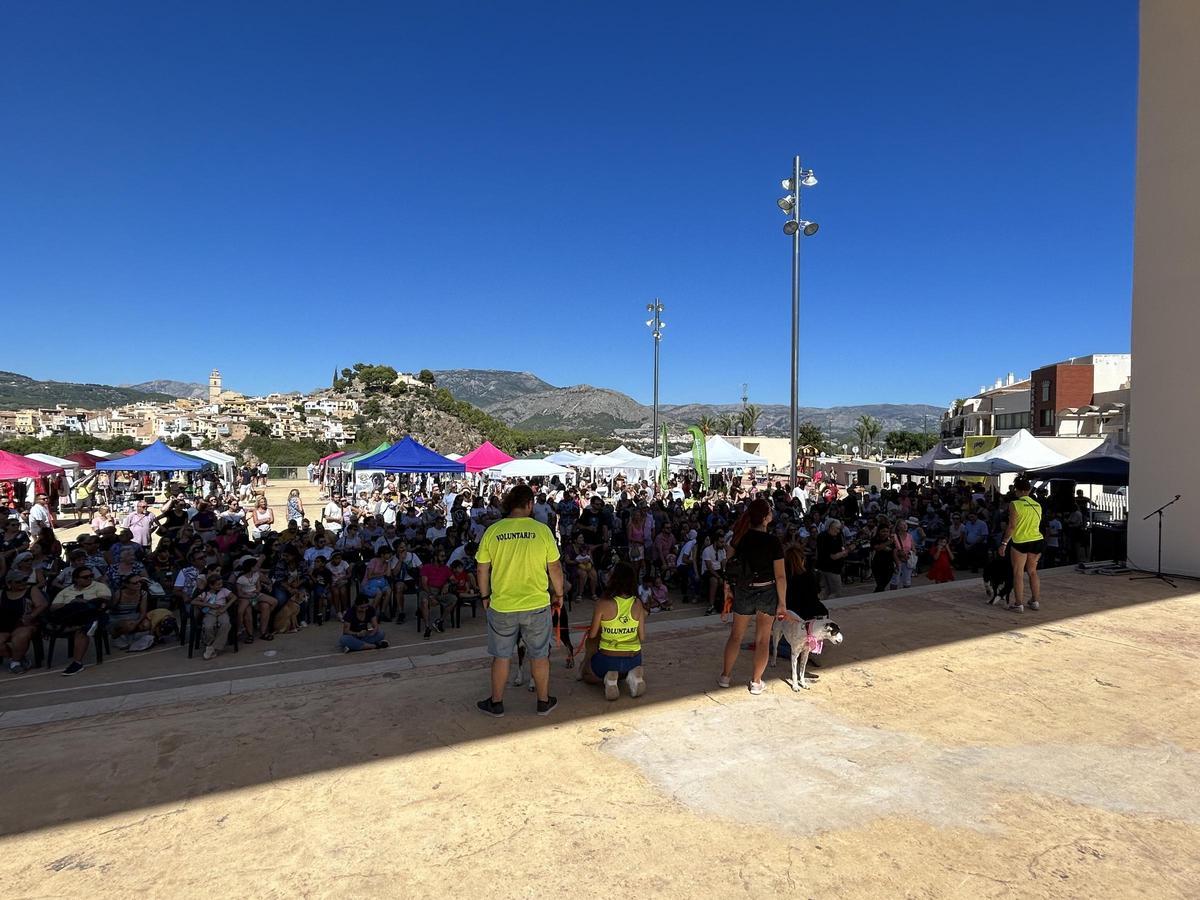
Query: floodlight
[(790, 227), (787, 184), (809, 179), (810, 228), (786, 203)]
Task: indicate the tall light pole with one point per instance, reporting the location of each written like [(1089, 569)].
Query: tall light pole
[(656, 325), (794, 227)]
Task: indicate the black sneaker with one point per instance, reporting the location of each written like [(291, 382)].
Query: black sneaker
[(76, 667), (440, 625), (402, 618), (545, 707), (382, 645), (492, 708), (428, 632)]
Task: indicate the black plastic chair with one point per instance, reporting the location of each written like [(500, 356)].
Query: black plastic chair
[(51, 633), (196, 631)]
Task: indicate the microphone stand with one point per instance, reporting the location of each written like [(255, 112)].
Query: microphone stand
[(1158, 572)]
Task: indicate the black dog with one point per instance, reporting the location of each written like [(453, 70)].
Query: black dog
[(998, 579)]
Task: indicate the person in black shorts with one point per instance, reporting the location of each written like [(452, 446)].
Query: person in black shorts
[(756, 559)]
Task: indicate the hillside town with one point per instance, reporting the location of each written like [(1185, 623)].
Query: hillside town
[(225, 417)]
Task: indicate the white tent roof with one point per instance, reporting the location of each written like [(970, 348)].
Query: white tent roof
[(527, 468), (453, 456), (623, 460), (720, 454), (53, 460), (1019, 453), (223, 461)]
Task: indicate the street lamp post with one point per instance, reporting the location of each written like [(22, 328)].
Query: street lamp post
[(794, 227), (656, 325)]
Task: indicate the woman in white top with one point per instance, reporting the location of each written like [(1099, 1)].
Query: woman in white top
[(263, 519)]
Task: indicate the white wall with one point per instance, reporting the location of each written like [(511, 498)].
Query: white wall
[(1165, 434), (1109, 371)]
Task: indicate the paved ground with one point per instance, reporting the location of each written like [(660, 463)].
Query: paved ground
[(949, 750)]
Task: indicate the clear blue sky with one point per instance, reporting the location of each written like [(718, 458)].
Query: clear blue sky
[(278, 188)]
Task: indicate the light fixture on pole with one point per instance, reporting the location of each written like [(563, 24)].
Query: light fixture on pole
[(656, 325), (795, 227)]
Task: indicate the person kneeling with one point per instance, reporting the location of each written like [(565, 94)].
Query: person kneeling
[(615, 637), (360, 628)]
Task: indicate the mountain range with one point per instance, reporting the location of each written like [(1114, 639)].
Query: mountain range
[(188, 390), (23, 392), (523, 400)]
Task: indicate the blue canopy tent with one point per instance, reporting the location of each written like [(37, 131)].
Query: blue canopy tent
[(158, 457), (409, 456), (1108, 465)]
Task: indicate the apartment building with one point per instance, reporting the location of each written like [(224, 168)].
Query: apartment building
[(1073, 385)]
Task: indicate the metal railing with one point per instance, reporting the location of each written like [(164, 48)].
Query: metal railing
[(1116, 505)]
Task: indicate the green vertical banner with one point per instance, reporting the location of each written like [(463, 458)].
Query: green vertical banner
[(664, 474), (700, 455)]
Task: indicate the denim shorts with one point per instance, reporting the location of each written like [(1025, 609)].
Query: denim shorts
[(375, 587), (504, 628), (602, 663), (749, 600)]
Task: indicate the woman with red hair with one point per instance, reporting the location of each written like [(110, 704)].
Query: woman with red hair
[(756, 564)]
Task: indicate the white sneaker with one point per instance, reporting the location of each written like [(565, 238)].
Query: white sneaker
[(1034, 605), (635, 682), (757, 687), (611, 689), (723, 681), (210, 651)]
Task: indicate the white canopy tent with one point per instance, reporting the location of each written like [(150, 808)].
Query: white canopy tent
[(720, 454), (623, 461), (71, 467), (1018, 453), (226, 464), (571, 458), (528, 468)]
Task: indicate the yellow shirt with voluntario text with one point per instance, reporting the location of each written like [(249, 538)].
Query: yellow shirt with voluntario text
[(621, 631), (518, 550)]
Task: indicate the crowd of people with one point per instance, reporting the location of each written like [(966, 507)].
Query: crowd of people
[(221, 564)]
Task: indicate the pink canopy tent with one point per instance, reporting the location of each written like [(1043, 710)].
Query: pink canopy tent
[(325, 459), (14, 466), (485, 456)]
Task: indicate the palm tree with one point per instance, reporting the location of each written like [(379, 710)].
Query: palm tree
[(708, 425), (867, 429), (750, 417), (726, 423)]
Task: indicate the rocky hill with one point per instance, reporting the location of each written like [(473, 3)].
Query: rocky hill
[(188, 390), (523, 400), (21, 392), (486, 387)]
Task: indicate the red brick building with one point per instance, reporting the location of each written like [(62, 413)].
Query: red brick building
[(1057, 387)]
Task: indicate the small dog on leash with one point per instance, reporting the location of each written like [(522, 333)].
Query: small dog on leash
[(803, 638), (998, 579)]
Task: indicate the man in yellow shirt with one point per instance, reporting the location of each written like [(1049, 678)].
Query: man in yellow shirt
[(519, 577)]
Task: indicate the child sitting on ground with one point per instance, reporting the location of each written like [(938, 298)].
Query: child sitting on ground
[(662, 602)]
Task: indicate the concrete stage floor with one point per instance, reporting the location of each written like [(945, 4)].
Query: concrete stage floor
[(949, 749)]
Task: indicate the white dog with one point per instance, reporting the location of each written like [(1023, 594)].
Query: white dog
[(803, 638)]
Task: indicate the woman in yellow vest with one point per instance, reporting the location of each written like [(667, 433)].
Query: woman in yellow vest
[(615, 638), (1023, 539)]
